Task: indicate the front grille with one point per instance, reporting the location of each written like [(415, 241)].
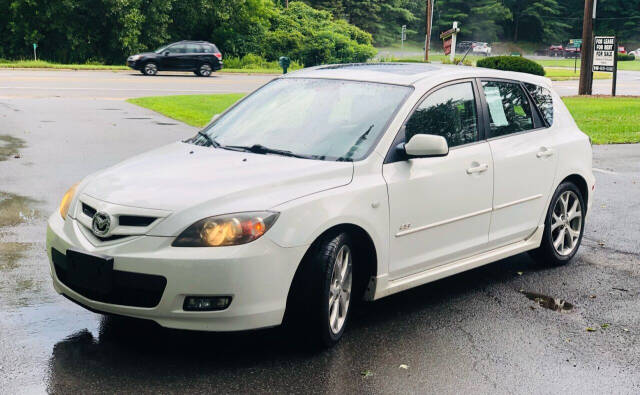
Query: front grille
[(88, 210), (129, 289), (135, 220), (123, 220)]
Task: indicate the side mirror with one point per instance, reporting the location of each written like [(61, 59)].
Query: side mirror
[(166, 53), (426, 145)]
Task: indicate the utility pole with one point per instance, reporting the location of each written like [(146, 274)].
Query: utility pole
[(427, 41), (586, 53)]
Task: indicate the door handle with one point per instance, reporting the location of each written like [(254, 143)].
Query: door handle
[(477, 168), (544, 152)]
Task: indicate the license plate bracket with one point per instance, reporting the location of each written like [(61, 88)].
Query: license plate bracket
[(90, 271)]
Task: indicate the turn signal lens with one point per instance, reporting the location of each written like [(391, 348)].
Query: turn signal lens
[(66, 201), (226, 230)]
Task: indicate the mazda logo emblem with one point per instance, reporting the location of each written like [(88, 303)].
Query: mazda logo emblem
[(101, 224)]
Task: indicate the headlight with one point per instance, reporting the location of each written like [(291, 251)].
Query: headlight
[(135, 57), (66, 201), (226, 230)]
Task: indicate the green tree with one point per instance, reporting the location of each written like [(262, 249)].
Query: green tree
[(540, 19), (479, 19), (314, 37)]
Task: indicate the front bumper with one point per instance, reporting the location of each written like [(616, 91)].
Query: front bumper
[(257, 276), (134, 64)]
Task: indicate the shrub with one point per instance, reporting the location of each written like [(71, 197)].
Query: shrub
[(457, 60), (623, 57), (314, 37), (255, 62), (511, 63)]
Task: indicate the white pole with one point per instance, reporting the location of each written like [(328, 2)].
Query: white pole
[(452, 56)]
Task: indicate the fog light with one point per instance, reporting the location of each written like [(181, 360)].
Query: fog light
[(206, 303)]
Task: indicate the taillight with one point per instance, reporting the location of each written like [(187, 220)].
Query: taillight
[(218, 55)]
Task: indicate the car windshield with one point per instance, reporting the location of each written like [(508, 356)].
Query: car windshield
[(310, 118), (159, 50)]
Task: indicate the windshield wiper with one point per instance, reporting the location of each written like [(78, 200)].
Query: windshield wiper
[(261, 149), (210, 140)]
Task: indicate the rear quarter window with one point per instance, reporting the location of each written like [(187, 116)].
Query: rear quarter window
[(543, 99)]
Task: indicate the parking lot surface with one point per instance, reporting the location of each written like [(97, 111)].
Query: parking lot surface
[(477, 332)]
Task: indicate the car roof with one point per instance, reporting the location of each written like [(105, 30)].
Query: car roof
[(193, 41), (409, 74)]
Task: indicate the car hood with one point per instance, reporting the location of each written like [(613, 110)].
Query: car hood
[(145, 54), (182, 176)]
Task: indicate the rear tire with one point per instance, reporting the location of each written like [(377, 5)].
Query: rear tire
[(204, 70), (563, 226)]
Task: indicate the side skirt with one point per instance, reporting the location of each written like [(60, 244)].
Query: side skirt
[(383, 287)]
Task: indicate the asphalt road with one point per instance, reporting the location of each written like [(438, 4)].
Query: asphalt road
[(120, 85), (476, 332)]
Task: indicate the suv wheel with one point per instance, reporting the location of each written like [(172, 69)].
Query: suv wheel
[(205, 70), (150, 69), (563, 227)]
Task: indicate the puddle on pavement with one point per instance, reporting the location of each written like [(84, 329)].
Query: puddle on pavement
[(15, 209), (11, 254), (548, 302), (165, 123), (10, 146)]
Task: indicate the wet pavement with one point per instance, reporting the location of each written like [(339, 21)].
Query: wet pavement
[(476, 332)]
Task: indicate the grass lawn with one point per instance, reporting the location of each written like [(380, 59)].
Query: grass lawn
[(606, 120), (628, 65), (557, 74), (195, 110), (42, 64)]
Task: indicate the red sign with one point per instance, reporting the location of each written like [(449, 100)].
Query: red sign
[(447, 46), (448, 33)]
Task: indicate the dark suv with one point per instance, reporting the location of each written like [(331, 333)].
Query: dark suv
[(201, 57)]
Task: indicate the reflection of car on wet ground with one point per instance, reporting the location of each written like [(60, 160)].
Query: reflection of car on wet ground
[(324, 186), (200, 57)]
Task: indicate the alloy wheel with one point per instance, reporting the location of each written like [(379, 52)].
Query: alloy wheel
[(340, 289), (205, 70), (150, 69), (566, 223)]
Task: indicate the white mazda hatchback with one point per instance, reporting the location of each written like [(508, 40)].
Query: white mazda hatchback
[(325, 186)]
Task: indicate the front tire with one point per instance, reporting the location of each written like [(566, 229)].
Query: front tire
[(150, 68), (563, 227), (321, 297)]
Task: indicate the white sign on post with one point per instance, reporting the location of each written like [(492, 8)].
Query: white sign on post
[(604, 53)]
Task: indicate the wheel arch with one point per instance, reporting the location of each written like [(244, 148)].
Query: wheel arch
[(365, 267), (582, 185)]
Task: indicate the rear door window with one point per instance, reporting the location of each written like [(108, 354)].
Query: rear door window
[(193, 48), (543, 99), (509, 108)]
